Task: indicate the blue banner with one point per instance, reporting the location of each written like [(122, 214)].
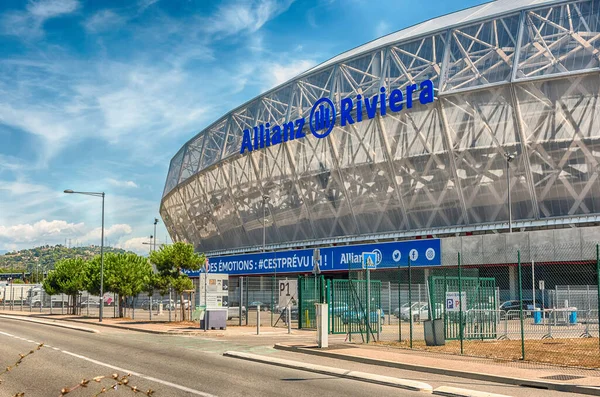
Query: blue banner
[(296, 261), (349, 257), (388, 255)]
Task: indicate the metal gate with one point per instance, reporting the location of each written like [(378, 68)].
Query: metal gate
[(311, 290), (348, 306), (479, 314)]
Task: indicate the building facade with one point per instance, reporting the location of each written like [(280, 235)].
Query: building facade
[(510, 140)]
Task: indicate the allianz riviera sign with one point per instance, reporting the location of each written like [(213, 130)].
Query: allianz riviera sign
[(323, 115)]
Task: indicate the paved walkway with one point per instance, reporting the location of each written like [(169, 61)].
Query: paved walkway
[(522, 373)]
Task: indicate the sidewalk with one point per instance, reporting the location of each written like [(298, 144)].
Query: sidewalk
[(516, 373), (162, 327)]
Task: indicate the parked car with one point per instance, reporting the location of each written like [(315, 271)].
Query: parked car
[(293, 312), (234, 312), (402, 311), (353, 316), (263, 306), (145, 304), (90, 302), (338, 309), (172, 305), (511, 308)]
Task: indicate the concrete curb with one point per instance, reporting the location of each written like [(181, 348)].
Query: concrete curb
[(342, 373), (538, 384), (458, 392), (53, 324)]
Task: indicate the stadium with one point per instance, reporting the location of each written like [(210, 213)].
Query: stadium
[(477, 131)]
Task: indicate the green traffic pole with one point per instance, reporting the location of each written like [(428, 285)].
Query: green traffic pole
[(598, 284), (400, 305), (368, 316), (521, 306), (460, 313), (410, 302)]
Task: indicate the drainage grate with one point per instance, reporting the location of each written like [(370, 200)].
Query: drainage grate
[(562, 377)]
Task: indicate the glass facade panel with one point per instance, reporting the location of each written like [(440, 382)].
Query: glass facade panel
[(322, 188), (483, 53), (482, 130), (562, 132), (191, 159), (174, 170), (415, 61), (560, 39), (286, 205), (422, 168), (366, 171)]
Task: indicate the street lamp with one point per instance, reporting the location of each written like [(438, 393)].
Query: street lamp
[(95, 194), (265, 199), (509, 159), (155, 222)]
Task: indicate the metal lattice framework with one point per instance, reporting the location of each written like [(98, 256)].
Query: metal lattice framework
[(513, 76)]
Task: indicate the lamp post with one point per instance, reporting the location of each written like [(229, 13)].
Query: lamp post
[(509, 159), (96, 194), (155, 222), (265, 200)]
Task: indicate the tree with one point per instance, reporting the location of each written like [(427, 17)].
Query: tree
[(124, 274), (171, 261), (68, 277)]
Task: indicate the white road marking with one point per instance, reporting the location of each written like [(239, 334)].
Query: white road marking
[(150, 378)]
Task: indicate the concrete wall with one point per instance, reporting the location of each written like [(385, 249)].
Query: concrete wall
[(572, 244)]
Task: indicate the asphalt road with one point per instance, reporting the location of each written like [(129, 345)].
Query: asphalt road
[(183, 366)]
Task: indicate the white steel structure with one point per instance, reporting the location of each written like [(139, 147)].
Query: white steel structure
[(513, 76)]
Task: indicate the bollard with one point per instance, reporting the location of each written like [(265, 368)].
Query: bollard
[(150, 308), (21, 298), (288, 311), (170, 304), (378, 324), (258, 320), (322, 322)]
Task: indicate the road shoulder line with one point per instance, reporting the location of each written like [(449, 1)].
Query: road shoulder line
[(52, 324), (342, 373)]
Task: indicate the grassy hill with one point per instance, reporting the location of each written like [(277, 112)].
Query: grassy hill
[(43, 258)]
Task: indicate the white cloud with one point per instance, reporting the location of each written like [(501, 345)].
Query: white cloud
[(46, 9), (382, 28), (143, 4), (118, 183), (29, 23), (40, 231), (113, 232), (55, 232), (276, 73), (248, 16), (138, 245), (104, 20)]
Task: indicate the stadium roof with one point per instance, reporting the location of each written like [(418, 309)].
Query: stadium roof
[(444, 22)]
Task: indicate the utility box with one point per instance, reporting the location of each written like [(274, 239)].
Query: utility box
[(215, 319)]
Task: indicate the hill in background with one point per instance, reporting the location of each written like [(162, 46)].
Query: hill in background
[(43, 258)]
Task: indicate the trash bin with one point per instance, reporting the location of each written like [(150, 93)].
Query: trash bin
[(573, 316), (537, 316)]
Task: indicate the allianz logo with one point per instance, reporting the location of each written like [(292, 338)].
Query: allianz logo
[(323, 115)]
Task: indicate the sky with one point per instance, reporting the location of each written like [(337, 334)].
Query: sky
[(99, 95)]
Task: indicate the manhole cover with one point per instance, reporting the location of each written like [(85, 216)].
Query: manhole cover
[(562, 377)]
